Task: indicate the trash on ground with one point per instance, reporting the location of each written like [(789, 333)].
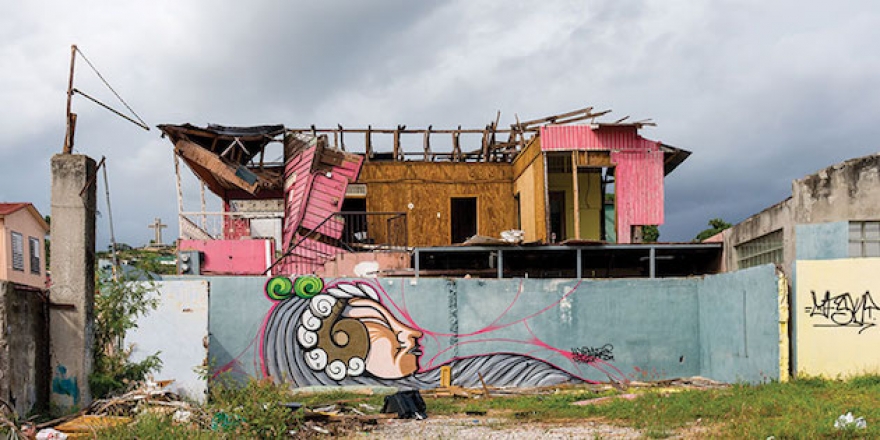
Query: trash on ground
[(51, 434), (847, 421), (407, 404)]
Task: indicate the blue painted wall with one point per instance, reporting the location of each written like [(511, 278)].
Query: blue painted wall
[(724, 327), (822, 241)]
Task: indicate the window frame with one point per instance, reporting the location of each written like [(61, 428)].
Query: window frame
[(20, 248), (766, 249), (862, 240), (35, 255)]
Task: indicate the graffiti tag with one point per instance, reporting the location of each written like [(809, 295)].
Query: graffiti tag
[(844, 310), (589, 355)]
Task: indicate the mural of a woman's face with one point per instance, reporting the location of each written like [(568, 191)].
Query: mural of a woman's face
[(394, 347)]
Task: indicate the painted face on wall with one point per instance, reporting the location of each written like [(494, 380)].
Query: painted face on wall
[(394, 347)]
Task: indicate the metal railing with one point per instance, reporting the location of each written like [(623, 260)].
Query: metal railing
[(224, 225), (343, 232)]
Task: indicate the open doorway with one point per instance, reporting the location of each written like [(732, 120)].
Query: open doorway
[(557, 216), (463, 218)]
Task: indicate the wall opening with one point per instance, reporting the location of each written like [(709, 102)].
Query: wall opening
[(557, 216), (463, 218)]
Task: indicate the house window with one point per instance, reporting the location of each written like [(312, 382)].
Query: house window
[(17, 251), (762, 250), (34, 248), (864, 239)]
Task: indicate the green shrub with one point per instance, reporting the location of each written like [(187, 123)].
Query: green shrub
[(118, 304)]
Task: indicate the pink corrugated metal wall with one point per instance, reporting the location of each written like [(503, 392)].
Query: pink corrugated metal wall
[(583, 137), (639, 169), (638, 187), (310, 196)]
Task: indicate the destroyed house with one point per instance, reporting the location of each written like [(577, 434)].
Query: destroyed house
[(295, 200)]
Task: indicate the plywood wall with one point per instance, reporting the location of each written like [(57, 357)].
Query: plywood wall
[(528, 171), (423, 190), (590, 202)]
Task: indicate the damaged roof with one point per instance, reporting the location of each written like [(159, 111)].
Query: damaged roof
[(224, 157)]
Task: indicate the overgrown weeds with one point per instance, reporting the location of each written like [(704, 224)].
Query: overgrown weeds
[(118, 304), (804, 408)]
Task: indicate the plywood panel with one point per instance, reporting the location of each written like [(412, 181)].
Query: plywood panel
[(530, 186), (423, 190), (590, 190)]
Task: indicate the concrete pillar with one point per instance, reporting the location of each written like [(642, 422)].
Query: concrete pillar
[(71, 316)]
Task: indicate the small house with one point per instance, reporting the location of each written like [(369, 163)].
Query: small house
[(23, 259)]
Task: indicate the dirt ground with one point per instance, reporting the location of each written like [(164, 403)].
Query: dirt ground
[(442, 427)]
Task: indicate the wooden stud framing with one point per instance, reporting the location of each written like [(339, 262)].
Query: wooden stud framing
[(575, 195)]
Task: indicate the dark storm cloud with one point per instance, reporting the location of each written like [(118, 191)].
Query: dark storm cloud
[(761, 92)]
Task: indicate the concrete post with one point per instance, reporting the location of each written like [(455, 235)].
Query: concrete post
[(71, 317)]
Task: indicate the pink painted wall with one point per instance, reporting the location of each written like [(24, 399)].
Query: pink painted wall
[(232, 257), (23, 222)]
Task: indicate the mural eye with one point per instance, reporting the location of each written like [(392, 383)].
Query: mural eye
[(341, 338)]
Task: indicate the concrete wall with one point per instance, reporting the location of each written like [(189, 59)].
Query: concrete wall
[(822, 241), (24, 348), (516, 332), (776, 217), (836, 317), (843, 192), (846, 191), (73, 279), (178, 330)]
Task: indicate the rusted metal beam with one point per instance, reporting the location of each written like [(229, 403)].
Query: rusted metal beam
[(70, 120)]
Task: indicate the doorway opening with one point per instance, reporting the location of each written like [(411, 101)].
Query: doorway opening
[(557, 216), (463, 218)]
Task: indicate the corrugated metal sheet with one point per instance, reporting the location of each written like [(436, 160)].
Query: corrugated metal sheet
[(312, 193), (583, 137), (639, 169), (638, 188)]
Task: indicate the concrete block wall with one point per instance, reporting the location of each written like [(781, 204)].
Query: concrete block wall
[(725, 327), (24, 348)]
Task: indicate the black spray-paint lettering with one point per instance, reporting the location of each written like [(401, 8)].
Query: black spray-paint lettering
[(843, 310), (588, 355)]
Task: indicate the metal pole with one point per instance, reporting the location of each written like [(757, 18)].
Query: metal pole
[(179, 196), (579, 269), (417, 262), (652, 262), (110, 218), (500, 263), (71, 121)]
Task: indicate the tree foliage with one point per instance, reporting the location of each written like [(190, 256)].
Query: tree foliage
[(118, 304), (716, 225), (650, 233)]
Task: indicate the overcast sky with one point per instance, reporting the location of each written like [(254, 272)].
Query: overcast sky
[(761, 92)]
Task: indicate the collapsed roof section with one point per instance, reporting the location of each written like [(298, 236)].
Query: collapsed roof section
[(225, 158)]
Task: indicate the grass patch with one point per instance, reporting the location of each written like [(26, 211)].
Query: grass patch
[(803, 408)]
